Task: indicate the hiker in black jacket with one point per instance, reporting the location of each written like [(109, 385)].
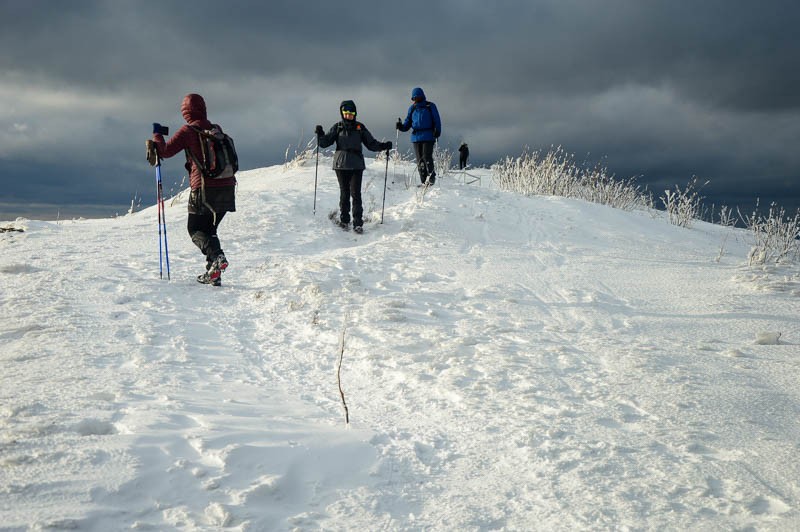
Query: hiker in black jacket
[(348, 161), (463, 155)]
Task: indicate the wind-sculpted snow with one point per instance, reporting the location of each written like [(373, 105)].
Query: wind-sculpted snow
[(509, 363)]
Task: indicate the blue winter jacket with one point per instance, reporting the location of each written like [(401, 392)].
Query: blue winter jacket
[(423, 119)]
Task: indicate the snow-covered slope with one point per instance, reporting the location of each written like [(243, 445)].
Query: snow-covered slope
[(509, 363)]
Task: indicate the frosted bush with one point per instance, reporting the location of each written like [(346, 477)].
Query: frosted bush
[(442, 160), (775, 235), (683, 206), (555, 174), (299, 156)]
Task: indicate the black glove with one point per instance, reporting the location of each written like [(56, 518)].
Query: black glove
[(387, 145), (399, 124), (319, 131), (151, 153), (436, 133)]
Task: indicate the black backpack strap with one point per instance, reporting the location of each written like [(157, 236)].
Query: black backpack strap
[(191, 158), (203, 150), (202, 168)]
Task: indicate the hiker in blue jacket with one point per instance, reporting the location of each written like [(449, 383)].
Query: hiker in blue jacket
[(426, 126)]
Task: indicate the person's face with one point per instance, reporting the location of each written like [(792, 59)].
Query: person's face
[(348, 115)]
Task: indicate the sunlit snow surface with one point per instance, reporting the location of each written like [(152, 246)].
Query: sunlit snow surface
[(509, 363)]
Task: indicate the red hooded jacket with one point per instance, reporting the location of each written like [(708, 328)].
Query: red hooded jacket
[(193, 109)]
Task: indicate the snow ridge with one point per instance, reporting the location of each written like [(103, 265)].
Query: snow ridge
[(510, 363)]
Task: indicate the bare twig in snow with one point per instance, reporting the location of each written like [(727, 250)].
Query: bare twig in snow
[(339, 379)]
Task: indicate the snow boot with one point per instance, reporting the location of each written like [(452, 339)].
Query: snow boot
[(205, 278), (219, 265)]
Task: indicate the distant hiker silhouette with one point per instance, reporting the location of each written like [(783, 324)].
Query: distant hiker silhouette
[(463, 155)]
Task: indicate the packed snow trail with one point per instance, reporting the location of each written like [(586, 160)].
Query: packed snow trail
[(474, 310), (510, 363)]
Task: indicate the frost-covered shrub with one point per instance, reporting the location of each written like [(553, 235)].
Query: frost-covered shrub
[(683, 206), (396, 157), (532, 173), (775, 235), (442, 160), (556, 174), (726, 217), (380, 155), (136, 203), (598, 186), (299, 156)]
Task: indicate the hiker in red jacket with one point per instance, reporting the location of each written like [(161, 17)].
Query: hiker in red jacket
[(209, 199)]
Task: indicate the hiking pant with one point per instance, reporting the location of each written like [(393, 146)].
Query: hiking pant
[(462, 162), (350, 186), (203, 231), (424, 152)]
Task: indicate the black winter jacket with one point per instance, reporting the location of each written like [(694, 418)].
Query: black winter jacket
[(348, 136)]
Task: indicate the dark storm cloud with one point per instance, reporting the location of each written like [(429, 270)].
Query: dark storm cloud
[(740, 55), (661, 89), (731, 54)]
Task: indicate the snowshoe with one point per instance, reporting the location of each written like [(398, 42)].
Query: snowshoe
[(205, 278)]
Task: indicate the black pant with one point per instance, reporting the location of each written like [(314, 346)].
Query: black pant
[(350, 186), (203, 231), (462, 162), (424, 152)]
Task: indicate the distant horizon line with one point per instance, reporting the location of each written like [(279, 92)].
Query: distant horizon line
[(11, 211)]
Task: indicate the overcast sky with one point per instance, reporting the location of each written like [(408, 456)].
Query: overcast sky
[(659, 89)]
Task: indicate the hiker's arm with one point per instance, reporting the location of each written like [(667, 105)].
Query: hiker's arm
[(406, 125), (176, 144), (329, 138), (369, 141)]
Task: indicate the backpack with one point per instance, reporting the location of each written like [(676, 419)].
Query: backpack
[(427, 107), (219, 154)]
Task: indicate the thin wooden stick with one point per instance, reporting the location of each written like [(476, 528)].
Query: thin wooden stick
[(339, 380)]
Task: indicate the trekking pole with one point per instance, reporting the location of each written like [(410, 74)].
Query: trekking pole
[(316, 169), (385, 177), (158, 206), (162, 220), (397, 149)]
